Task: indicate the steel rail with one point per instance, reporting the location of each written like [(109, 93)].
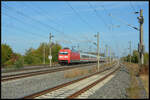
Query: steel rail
[(29, 74), (27, 68), (62, 85), (89, 86)]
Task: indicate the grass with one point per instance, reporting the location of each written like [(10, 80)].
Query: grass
[(145, 80), (75, 72), (134, 89), (144, 75), (82, 71), (27, 65)]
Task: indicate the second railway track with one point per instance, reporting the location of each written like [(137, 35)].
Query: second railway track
[(29, 74), (79, 88)]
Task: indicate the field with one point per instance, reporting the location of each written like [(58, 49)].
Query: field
[(83, 71), (134, 89)]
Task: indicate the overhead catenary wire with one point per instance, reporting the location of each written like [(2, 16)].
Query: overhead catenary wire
[(39, 10), (50, 27), (34, 39), (138, 6), (26, 16), (110, 21), (84, 21), (28, 32), (42, 25), (132, 6), (39, 35), (107, 13), (100, 17), (21, 21), (80, 16), (122, 21), (22, 14), (23, 30)]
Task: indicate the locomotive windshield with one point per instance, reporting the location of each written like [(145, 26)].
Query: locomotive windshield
[(63, 53)]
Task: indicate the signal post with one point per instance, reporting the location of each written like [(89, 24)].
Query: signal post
[(97, 50), (141, 45)]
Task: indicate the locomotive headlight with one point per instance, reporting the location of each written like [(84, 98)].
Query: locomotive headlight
[(60, 56), (65, 56)]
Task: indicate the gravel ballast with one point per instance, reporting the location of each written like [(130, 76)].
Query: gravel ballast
[(34, 70), (116, 87), (26, 86)]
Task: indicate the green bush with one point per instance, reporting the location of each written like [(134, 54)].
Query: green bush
[(146, 58), (35, 56), (19, 63), (9, 62), (6, 52)]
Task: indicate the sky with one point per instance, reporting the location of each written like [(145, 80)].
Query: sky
[(26, 24)]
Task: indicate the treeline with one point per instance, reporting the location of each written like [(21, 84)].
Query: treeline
[(134, 57), (31, 56)]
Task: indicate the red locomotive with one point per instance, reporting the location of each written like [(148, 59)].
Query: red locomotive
[(67, 56)]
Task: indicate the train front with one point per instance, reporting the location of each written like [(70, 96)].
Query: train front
[(64, 56)]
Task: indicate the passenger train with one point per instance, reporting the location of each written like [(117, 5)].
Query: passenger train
[(67, 56)]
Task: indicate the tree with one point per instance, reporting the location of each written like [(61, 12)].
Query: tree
[(6, 52), (28, 58), (128, 58), (35, 56), (55, 50), (19, 62), (135, 56)]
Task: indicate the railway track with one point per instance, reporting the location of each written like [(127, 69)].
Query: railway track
[(29, 74), (31, 68), (27, 68), (80, 88)]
